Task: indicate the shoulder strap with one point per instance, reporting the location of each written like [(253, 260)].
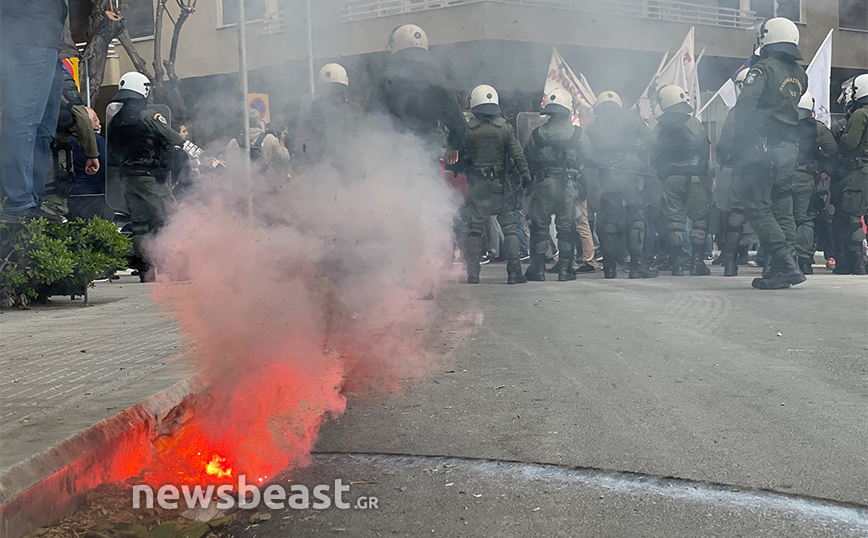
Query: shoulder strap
[(259, 140)]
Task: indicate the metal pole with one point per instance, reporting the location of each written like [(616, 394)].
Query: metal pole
[(310, 50), (87, 82), (242, 73)]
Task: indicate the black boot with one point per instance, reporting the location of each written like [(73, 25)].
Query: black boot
[(784, 273), (767, 265), (806, 265), (676, 262), (730, 262), (858, 261), (610, 270), (640, 269), (844, 263), (565, 271), (536, 271), (472, 255), (513, 272), (699, 268)]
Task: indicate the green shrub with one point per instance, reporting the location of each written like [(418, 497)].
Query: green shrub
[(39, 259)]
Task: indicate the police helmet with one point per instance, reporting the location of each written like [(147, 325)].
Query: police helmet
[(806, 106), (133, 85), (608, 97), (739, 78), (780, 35), (484, 100), (559, 101), (674, 98), (408, 36), (333, 74), (860, 87)]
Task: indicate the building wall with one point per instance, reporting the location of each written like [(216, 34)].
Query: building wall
[(208, 47)]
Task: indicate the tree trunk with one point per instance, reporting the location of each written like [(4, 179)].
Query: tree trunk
[(101, 30)]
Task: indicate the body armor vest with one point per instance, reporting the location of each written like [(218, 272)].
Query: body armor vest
[(134, 145)]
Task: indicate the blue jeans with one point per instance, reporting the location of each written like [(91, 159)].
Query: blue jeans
[(32, 85)]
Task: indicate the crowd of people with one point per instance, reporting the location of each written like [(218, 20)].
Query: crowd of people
[(612, 190)]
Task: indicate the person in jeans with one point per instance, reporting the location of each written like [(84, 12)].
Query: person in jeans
[(31, 89)]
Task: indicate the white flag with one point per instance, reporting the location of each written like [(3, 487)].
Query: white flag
[(820, 80), (561, 76), (644, 104), (676, 71), (693, 92)]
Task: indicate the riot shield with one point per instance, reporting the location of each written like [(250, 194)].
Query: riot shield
[(114, 189)]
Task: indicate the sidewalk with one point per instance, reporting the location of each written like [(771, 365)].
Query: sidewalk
[(65, 367)]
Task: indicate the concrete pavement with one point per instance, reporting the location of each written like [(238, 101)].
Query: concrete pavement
[(580, 399), (699, 378), (64, 367)]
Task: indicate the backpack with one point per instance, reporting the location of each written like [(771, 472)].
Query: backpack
[(256, 147)]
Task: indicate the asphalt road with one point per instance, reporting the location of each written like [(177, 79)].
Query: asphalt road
[(755, 403)]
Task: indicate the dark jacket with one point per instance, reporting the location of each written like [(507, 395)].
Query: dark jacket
[(85, 184), (32, 22), (417, 96)]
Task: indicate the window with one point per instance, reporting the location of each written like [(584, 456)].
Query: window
[(139, 17), (253, 9), (767, 9), (853, 14)]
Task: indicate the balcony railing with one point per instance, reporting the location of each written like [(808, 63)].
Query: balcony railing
[(665, 10)]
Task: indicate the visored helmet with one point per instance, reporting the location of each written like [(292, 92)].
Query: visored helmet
[(559, 101), (133, 85), (780, 35), (860, 87), (806, 106), (672, 96), (608, 97), (408, 36), (484, 100), (333, 74)]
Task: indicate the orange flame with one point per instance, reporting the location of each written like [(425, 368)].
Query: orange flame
[(217, 467)]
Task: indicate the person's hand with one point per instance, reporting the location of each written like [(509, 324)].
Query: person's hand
[(91, 167), (451, 156)]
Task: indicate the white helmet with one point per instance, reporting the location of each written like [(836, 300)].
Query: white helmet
[(484, 100), (333, 74), (860, 87), (806, 102), (781, 35), (609, 97), (806, 106), (408, 36), (133, 85), (559, 101), (672, 95), (739, 78)]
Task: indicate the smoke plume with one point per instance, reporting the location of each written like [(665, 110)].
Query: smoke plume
[(316, 293)]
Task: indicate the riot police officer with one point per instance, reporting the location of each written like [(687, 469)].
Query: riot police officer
[(555, 153), (618, 142), (681, 157), (331, 117), (72, 120), (138, 139), (417, 96), (818, 155), (491, 146), (853, 146), (765, 140)]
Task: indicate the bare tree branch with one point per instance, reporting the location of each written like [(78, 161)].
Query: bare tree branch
[(159, 73)]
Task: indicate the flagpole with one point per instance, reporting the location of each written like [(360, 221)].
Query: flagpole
[(715, 96)]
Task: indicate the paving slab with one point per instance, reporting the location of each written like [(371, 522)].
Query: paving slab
[(65, 367)]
